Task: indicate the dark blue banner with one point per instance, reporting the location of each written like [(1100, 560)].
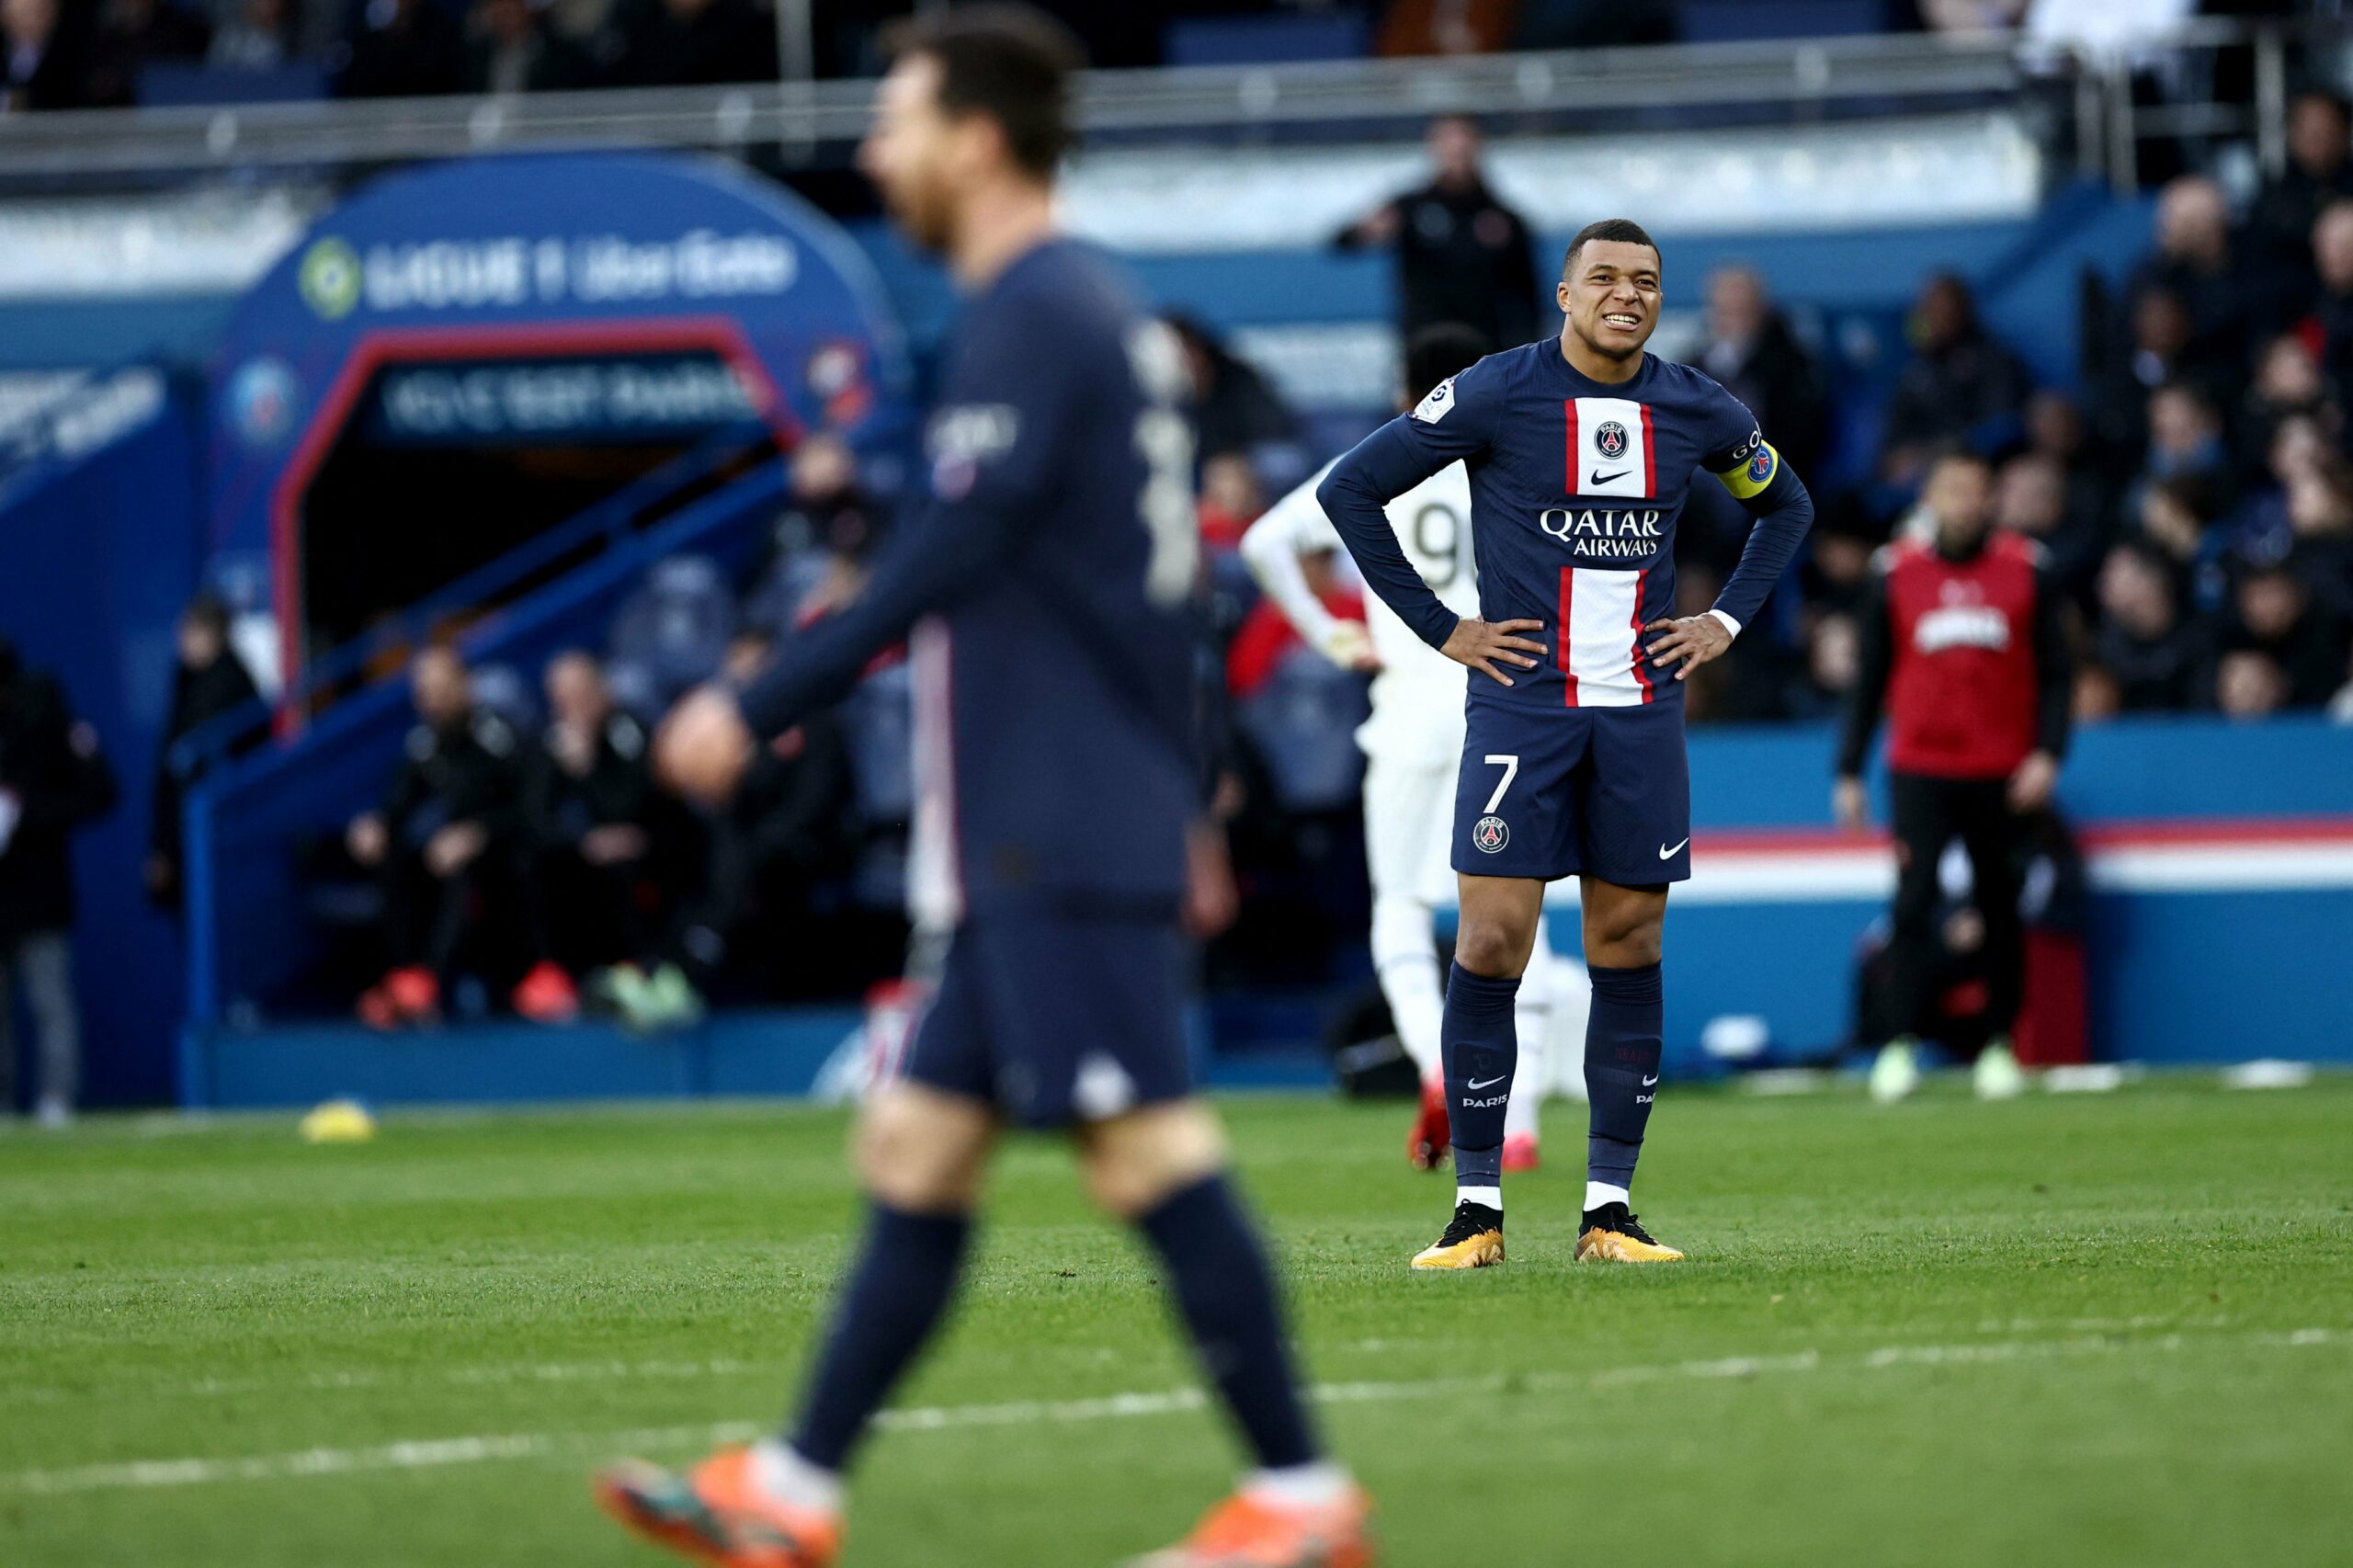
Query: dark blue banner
[(603, 399)]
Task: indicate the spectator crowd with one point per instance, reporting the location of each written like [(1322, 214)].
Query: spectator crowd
[(78, 53), (2191, 498)]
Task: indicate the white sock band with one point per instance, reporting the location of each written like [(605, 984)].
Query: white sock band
[(1600, 1194), (1493, 1197), (783, 1474), (1300, 1485)]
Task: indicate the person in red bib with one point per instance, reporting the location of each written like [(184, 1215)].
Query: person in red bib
[(1965, 651)]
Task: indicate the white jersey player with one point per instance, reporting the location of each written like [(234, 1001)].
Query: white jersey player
[(1413, 746)]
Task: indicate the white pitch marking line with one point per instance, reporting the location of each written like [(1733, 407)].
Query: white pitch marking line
[(425, 1453)]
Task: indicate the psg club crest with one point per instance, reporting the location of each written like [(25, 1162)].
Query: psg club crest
[(1609, 439), (1492, 834)]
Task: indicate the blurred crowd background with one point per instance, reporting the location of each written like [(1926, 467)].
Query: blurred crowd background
[(2184, 465)]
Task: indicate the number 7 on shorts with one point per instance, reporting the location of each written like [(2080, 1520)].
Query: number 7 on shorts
[(1510, 766)]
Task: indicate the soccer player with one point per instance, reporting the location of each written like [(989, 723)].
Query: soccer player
[(1047, 585), (1581, 451), (1965, 649), (1412, 744)]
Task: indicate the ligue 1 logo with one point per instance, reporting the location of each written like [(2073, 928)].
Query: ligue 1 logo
[(1609, 439), (1490, 834)]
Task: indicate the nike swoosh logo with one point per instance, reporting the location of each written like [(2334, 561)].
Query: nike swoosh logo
[(1649, 1080), (1601, 478), (1475, 1084), (1667, 853)]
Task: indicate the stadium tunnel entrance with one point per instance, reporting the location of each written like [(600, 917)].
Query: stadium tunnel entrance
[(462, 356), (451, 453)]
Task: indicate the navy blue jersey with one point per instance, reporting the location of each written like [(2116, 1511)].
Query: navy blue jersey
[(1575, 489), (1048, 583)]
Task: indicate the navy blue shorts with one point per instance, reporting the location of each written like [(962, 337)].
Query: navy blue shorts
[(1603, 793), (1055, 1019)]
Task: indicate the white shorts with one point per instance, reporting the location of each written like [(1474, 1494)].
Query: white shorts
[(1409, 830)]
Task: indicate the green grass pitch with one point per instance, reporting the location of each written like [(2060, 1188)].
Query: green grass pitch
[(2080, 1330)]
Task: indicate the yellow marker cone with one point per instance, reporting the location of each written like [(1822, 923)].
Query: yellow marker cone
[(338, 1121)]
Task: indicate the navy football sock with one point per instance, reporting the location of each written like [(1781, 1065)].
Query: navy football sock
[(1226, 1294), (901, 1287), (1481, 1050), (1621, 1051)]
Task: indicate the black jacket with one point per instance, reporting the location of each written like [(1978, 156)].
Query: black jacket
[(560, 807), (1462, 256), (54, 778), (199, 697), (1945, 396), (469, 771)]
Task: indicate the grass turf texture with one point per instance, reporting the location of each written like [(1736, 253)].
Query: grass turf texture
[(2059, 1330)]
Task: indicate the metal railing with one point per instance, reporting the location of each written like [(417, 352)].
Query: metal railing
[(800, 123), (600, 529), (809, 124)]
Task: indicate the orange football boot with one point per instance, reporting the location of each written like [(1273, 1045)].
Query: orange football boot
[(1245, 1531), (716, 1515)]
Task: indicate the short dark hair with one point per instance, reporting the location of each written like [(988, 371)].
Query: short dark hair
[(1621, 230), (1010, 63), (210, 610), (1436, 352)]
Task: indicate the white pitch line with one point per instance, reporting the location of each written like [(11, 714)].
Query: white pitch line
[(672, 1372), (432, 1452)]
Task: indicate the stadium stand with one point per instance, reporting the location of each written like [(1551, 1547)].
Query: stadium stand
[(1917, 248)]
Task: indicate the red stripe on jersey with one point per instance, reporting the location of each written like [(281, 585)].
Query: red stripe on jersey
[(1560, 633), (1641, 580), (1569, 408), (1650, 475)]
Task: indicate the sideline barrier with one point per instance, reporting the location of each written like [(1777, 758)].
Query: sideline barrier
[(2219, 931)]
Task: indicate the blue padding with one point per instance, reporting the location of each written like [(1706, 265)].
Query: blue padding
[(74, 334), (752, 1051), (2223, 977), (1725, 21), (747, 1051), (1260, 41), (1746, 776), (166, 85), (96, 557)]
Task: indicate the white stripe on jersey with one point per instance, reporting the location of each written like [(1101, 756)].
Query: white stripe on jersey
[(1603, 614), (935, 886)]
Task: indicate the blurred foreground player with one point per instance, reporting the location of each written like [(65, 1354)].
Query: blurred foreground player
[(1413, 747), (1964, 647), (1580, 451), (1047, 584)]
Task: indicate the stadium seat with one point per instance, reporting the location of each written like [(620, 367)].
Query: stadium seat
[(634, 689), (677, 626), (504, 690)]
